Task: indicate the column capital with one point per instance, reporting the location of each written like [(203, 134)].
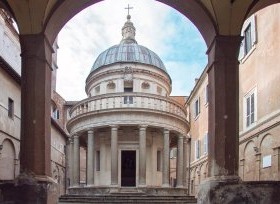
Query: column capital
[(75, 136), (90, 131), (69, 141), (166, 131), (113, 127), (36, 46), (143, 126)]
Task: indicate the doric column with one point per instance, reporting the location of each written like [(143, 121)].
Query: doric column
[(223, 106), (180, 161), (76, 161), (142, 155), (35, 144), (165, 165), (114, 155), (69, 157), (90, 158)]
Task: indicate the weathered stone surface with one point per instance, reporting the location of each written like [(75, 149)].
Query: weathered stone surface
[(238, 192), (28, 192)]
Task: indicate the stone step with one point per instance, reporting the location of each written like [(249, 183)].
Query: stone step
[(128, 198)]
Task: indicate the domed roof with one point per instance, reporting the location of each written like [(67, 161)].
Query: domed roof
[(128, 51)]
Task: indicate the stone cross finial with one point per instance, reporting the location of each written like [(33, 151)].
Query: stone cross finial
[(128, 9)]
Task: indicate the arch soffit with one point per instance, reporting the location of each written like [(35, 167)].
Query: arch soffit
[(211, 18), (193, 10)]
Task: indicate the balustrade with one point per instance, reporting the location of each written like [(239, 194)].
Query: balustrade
[(128, 100)]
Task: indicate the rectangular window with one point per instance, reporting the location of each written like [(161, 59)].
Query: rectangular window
[(248, 39), (56, 114), (250, 108), (97, 161), (130, 89), (197, 149), (158, 160), (249, 33), (266, 161), (196, 107), (128, 100), (206, 143), (10, 108)]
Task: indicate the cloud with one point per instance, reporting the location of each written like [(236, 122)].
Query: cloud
[(158, 27)]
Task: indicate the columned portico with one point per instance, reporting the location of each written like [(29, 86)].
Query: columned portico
[(114, 155), (180, 161), (165, 167), (142, 155), (76, 161), (90, 158)]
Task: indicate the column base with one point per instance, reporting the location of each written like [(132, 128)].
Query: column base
[(29, 189), (233, 190), (142, 185), (165, 185)]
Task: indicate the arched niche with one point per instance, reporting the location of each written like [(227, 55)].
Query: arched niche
[(7, 160), (266, 157), (249, 161)]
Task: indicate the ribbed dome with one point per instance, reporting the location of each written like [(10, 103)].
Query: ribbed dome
[(128, 52)]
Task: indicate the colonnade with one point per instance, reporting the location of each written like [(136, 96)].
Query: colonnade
[(74, 159)]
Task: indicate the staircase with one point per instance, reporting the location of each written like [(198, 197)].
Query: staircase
[(125, 198)]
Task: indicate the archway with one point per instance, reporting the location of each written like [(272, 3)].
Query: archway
[(7, 160), (223, 63)]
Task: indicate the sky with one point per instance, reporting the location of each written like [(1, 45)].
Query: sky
[(159, 27)]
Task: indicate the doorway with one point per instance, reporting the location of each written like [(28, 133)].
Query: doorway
[(128, 168)]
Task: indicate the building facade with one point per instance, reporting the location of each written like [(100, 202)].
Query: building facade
[(259, 109), (259, 105)]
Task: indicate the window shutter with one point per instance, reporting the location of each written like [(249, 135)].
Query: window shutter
[(198, 149), (195, 149), (194, 110), (252, 109), (206, 143), (253, 29), (198, 105), (241, 50)]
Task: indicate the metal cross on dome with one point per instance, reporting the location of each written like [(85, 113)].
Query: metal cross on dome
[(128, 8)]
